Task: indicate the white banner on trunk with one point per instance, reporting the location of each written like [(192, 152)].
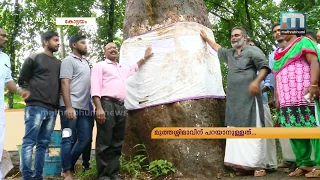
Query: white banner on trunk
[(183, 66)]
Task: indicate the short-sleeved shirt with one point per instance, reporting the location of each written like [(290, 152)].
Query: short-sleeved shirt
[(108, 79), (78, 71), (267, 82), (5, 76), (242, 70)]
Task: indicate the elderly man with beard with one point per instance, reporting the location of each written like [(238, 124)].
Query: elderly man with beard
[(74, 105), (40, 75), (108, 89), (244, 106)]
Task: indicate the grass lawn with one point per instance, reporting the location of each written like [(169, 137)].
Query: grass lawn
[(18, 102)]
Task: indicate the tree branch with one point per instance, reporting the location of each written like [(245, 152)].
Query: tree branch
[(227, 20), (248, 15), (225, 8)]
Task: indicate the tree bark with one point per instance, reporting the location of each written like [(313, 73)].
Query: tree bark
[(201, 159), (145, 15)]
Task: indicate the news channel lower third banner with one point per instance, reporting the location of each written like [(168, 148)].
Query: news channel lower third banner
[(293, 23), (232, 132)]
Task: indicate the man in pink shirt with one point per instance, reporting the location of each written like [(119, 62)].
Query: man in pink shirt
[(108, 90)]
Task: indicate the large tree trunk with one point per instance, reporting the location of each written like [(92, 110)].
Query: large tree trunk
[(145, 15), (201, 159)]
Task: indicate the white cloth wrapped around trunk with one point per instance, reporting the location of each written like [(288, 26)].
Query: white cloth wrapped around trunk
[(183, 66)]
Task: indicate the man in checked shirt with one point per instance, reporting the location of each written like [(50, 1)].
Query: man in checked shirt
[(108, 89)]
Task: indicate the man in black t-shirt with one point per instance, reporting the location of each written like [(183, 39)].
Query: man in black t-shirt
[(40, 75)]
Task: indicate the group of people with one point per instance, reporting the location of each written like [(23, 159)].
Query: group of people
[(292, 75), (51, 87)]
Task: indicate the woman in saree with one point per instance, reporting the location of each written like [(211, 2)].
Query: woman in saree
[(296, 69)]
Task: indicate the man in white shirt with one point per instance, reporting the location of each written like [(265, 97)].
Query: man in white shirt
[(6, 81)]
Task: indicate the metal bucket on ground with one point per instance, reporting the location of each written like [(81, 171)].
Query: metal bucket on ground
[(52, 165)]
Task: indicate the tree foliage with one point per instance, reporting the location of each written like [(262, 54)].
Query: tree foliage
[(107, 30)]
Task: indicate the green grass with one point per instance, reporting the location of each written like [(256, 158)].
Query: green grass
[(16, 98), (18, 102)]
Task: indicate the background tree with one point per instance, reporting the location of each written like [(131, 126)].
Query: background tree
[(109, 22), (42, 14), (11, 22)]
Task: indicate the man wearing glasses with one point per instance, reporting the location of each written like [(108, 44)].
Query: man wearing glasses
[(7, 81), (108, 89)]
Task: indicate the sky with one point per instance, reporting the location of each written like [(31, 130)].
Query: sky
[(277, 1)]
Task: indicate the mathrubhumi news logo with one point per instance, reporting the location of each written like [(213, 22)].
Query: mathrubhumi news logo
[(293, 23), (75, 20)]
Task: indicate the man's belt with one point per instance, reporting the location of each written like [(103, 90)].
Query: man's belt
[(114, 100)]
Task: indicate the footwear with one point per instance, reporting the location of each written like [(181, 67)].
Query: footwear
[(259, 173), (315, 173), (297, 172)]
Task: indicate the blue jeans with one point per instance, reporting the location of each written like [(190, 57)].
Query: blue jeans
[(39, 125), (72, 147), (86, 154)]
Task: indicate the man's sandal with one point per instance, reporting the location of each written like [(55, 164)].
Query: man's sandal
[(297, 172), (259, 173), (315, 173)]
